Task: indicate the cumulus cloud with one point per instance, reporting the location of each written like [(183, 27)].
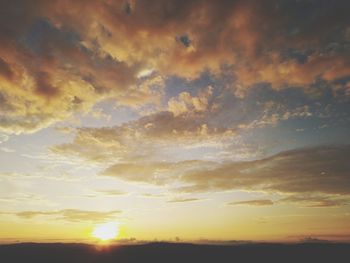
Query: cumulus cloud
[(143, 136), (278, 72), (54, 76), (185, 103), (54, 62), (190, 121)]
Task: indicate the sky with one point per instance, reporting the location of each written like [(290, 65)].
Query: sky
[(175, 120)]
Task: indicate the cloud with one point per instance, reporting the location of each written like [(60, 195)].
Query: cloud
[(46, 88), (20, 197), (142, 137), (7, 150), (111, 192), (3, 138), (306, 200), (72, 215), (48, 73), (273, 113), (185, 103), (315, 170), (311, 177), (183, 200), (5, 70), (204, 119), (258, 202), (146, 172), (149, 195), (157, 173), (54, 63), (323, 238), (277, 72)]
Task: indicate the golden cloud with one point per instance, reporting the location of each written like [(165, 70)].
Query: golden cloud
[(55, 62), (143, 136), (72, 215), (185, 102), (157, 173)]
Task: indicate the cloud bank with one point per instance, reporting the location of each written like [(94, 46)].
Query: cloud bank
[(55, 63)]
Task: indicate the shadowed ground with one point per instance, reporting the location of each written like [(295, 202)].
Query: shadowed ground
[(168, 252)]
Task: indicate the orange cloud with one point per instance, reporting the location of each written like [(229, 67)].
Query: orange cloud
[(55, 62)]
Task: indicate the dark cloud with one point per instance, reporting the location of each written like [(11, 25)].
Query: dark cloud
[(5, 69), (310, 170), (128, 8)]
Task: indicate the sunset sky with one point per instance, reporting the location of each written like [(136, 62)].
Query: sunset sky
[(175, 120)]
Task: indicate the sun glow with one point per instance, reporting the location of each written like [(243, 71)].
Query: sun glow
[(106, 231)]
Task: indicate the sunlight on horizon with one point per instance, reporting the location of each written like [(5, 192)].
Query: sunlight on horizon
[(106, 231)]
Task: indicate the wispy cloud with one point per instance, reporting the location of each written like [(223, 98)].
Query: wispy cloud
[(257, 202), (318, 169), (307, 200), (72, 215)]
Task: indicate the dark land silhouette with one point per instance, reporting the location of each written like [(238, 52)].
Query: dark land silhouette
[(174, 252)]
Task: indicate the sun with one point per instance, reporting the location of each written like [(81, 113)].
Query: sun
[(106, 231)]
